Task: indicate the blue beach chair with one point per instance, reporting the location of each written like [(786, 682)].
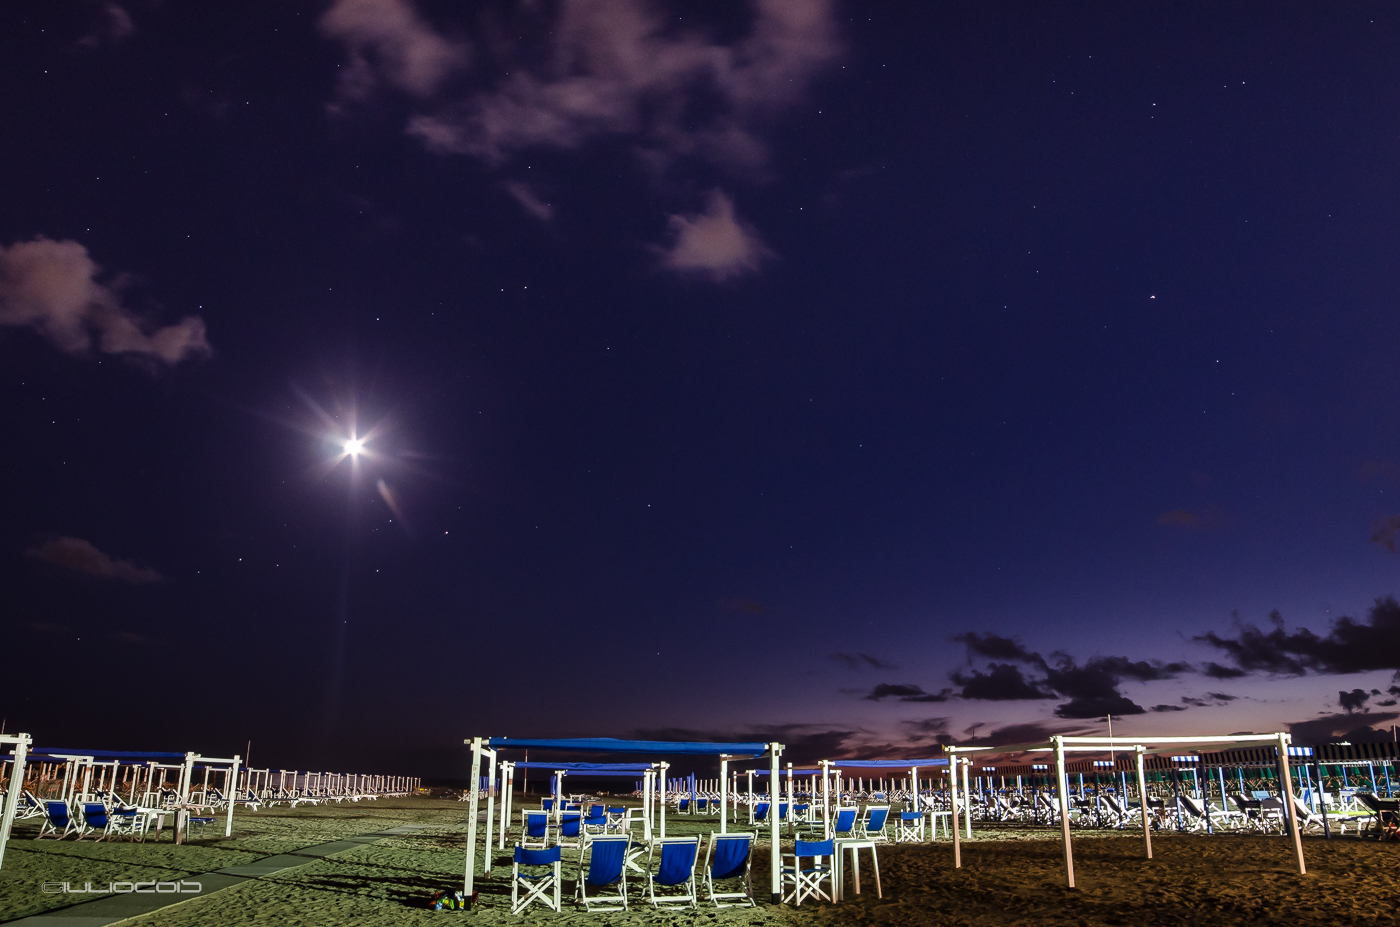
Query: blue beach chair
[(760, 812), (844, 824), (96, 819), (873, 827), (534, 830), (59, 821), (541, 876), (727, 859), (675, 870), (607, 867)]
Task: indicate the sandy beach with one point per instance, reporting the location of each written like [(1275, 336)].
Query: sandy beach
[(1009, 877)]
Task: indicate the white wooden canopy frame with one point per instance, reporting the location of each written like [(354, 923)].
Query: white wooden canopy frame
[(1060, 744), (21, 744)]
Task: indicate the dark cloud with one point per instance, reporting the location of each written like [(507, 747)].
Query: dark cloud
[(1098, 707), (1221, 696), (995, 647), (1351, 646), (1167, 708), (1353, 701), (906, 693), (1216, 671), (1210, 698), (1002, 683), (860, 660), (1351, 727), (1385, 531), (1032, 732)]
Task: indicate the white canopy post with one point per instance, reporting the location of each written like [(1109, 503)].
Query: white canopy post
[(967, 797), (826, 799), (490, 812), (475, 783), (724, 793), (648, 786), (1062, 783), (508, 794), (233, 792), (775, 752), (16, 787), (1285, 781), (1142, 799), (182, 813), (954, 760), (790, 800), (661, 797), (914, 792)]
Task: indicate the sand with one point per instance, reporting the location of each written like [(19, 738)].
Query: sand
[(1009, 877)]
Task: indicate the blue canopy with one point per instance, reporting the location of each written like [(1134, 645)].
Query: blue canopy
[(612, 745), (590, 769)]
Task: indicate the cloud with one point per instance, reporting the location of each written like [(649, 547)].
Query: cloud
[(1003, 682), (82, 557), (1026, 733), (714, 243), (1385, 531), (623, 68), (1091, 688), (1216, 671), (1352, 727), (906, 693), (1351, 646), (1353, 701), (529, 201), (860, 660), (1167, 708), (1211, 698), (388, 42), (113, 25), (995, 647), (51, 287)]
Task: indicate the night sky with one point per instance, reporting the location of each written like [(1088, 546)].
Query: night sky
[(862, 376)]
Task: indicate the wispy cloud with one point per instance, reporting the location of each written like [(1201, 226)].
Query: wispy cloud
[(113, 24), (52, 288), (387, 42), (81, 556), (714, 243), (859, 660), (525, 195)]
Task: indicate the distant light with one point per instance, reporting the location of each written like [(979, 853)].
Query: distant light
[(355, 446)]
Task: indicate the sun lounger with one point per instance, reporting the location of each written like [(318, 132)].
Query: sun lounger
[(606, 858), (675, 870), (728, 859)]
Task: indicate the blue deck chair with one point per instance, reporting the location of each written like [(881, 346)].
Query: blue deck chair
[(597, 820), (542, 877), (873, 827), (534, 830), (800, 812), (675, 870), (845, 822), (607, 867), (128, 822), (806, 881), (760, 812), (96, 819), (683, 806), (570, 829), (782, 812), (702, 806), (29, 806), (546, 804), (728, 858), (617, 819), (910, 827), (59, 821)]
